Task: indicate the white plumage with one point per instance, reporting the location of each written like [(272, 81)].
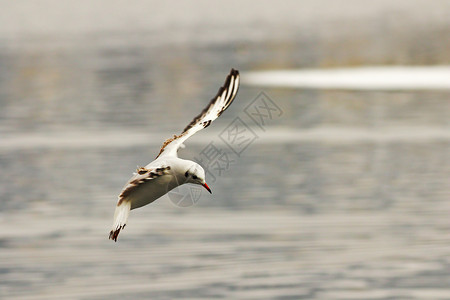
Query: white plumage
[(168, 171)]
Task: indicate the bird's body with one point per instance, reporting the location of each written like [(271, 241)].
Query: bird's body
[(153, 189), (168, 171)]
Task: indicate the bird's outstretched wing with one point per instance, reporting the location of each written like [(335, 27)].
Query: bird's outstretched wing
[(140, 177), (125, 204), (215, 108)]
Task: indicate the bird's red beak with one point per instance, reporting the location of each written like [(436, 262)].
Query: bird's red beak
[(207, 187)]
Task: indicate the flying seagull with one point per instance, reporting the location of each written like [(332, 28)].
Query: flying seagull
[(168, 171)]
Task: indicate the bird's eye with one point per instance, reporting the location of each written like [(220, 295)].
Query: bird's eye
[(194, 177), (186, 174)]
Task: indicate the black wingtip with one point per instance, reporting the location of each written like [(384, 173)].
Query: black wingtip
[(114, 234), (234, 72)]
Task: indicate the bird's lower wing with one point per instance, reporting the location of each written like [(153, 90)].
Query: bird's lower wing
[(142, 176)]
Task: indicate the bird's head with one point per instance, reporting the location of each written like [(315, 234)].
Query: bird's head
[(196, 175)]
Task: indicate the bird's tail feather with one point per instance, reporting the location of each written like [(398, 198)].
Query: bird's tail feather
[(120, 219)]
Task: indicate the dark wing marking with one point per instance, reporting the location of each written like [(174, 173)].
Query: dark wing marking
[(215, 108), (114, 234), (225, 102), (167, 142), (141, 176)]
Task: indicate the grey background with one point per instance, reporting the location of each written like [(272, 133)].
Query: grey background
[(345, 196)]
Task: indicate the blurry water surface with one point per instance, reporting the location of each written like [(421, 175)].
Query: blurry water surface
[(344, 196)]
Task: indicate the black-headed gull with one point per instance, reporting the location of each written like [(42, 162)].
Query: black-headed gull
[(168, 171)]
